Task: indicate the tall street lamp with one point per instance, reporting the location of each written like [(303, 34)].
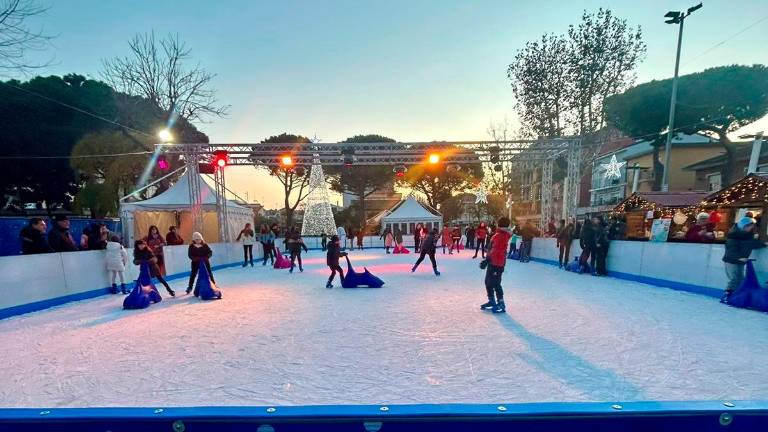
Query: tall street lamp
[(674, 18)]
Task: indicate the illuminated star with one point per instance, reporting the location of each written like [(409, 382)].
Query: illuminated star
[(613, 168), (481, 195)]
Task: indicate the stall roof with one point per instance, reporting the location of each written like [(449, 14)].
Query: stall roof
[(653, 200), (178, 196), (756, 184), (411, 209)]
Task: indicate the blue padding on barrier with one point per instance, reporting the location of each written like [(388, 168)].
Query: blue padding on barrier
[(85, 295), (679, 286)]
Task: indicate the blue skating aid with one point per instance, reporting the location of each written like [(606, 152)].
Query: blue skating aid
[(750, 294), (354, 279), (576, 267), (205, 287), (144, 292)]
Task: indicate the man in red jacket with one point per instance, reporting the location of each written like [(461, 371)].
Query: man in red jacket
[(481, 232), (495, 262)]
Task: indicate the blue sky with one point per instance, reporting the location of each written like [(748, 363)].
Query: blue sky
[(411, 70)]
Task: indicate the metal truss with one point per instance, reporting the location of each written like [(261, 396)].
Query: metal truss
[(191, 159), (221, 206), (546, 193)]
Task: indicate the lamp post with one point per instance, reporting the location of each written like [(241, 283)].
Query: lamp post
[(674, 18)]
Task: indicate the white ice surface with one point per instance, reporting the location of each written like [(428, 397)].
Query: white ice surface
[(282, 339)]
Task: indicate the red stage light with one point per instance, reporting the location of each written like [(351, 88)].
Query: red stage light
[(162, 163), (220, 158)]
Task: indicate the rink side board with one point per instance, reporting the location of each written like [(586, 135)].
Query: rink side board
[(632, 416)]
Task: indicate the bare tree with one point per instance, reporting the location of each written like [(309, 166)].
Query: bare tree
[(500, 181), (157, 70), (17, 37)]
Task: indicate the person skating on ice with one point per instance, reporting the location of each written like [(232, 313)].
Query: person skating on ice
[(456, 239), (295, 244), (268, 245), (494, 267), (480, 233), (332, 259), (447, 239), (388, 238), (249, 238), (199, 254), (141, 254), (116, 260), (324, 241), (428, 247)]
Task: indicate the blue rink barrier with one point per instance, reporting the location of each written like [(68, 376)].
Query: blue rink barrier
[(573, 417)]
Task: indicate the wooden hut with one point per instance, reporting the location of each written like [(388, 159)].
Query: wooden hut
[(640, 208)]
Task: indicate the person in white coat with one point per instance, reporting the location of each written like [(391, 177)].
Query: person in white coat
[(117, 259), (342, 233)]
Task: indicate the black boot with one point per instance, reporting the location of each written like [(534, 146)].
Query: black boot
[(489, 305), (123, 289), (189, 290), (113, 290), (500, 307), (437, 273)]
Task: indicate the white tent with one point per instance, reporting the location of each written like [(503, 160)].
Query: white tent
[(172, 208), (409, 212)]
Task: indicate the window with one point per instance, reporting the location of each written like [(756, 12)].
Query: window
[(714, 182)]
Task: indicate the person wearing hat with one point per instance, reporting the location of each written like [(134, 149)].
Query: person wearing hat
[(200, 254), (702, 231), (739, 245), (60, 238)]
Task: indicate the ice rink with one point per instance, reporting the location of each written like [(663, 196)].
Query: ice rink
[(283, 339)]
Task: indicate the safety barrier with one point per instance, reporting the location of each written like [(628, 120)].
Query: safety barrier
[(707, 416), (33, 282)]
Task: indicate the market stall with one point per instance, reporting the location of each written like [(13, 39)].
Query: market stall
[(408, 213), (748, 195), (641, 209)]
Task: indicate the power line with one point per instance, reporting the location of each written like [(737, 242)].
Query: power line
[(717, 45)]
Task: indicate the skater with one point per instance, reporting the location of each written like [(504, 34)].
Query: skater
[(323, 241), (738, 246), (527, 232), (332, 259), (470, 233), (142, 253), (428, 247), (117, 259), (268, 245), (360, 237), (199, 254), (388, 239), (295, 245), (342, 233), (480, 234), (447, 239), (418, 234), (173, 238), (456, 239), (155, 242), (351, 237), (398, 235), (587, 243), (564, 240), (601, 247), (248, 236), (494, 267)]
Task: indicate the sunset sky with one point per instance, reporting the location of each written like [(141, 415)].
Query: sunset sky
[(411, 70)]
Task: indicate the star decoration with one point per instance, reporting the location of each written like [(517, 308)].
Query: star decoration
[(481, 195), (613, 168)]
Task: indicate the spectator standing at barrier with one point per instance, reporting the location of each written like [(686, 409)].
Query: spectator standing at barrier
[(33, 239), (248, 238), (199, 253), (739, 244), (388, 238), (701, 231), (480, 234), (527, 232), (447, 239), (418, 234), (143, 254), (60, 238), (564, 240), (267, 244), (470, 233), (587, 243), (116, 260), (173, 238), (332, 260), (602, 241), (494, 267), (342, 233), (551, 228), (99, 237), (428, 247), (295, 245), (155, 242), (618, 229), (360, 237), (323, 241)]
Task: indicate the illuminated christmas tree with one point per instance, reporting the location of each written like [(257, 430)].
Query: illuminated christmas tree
[(318, 217)]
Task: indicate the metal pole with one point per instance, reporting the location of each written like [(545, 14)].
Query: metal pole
[(755, 157), (672, 104), (636, 177)]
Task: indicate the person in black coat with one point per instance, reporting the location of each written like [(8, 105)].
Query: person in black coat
[(200, 254), (142, 254), (332, 259), (602, 240), (428, 247), (295, 244), (564, 240), (33, 239), (60, 238), (739, 245), (587, 243)]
